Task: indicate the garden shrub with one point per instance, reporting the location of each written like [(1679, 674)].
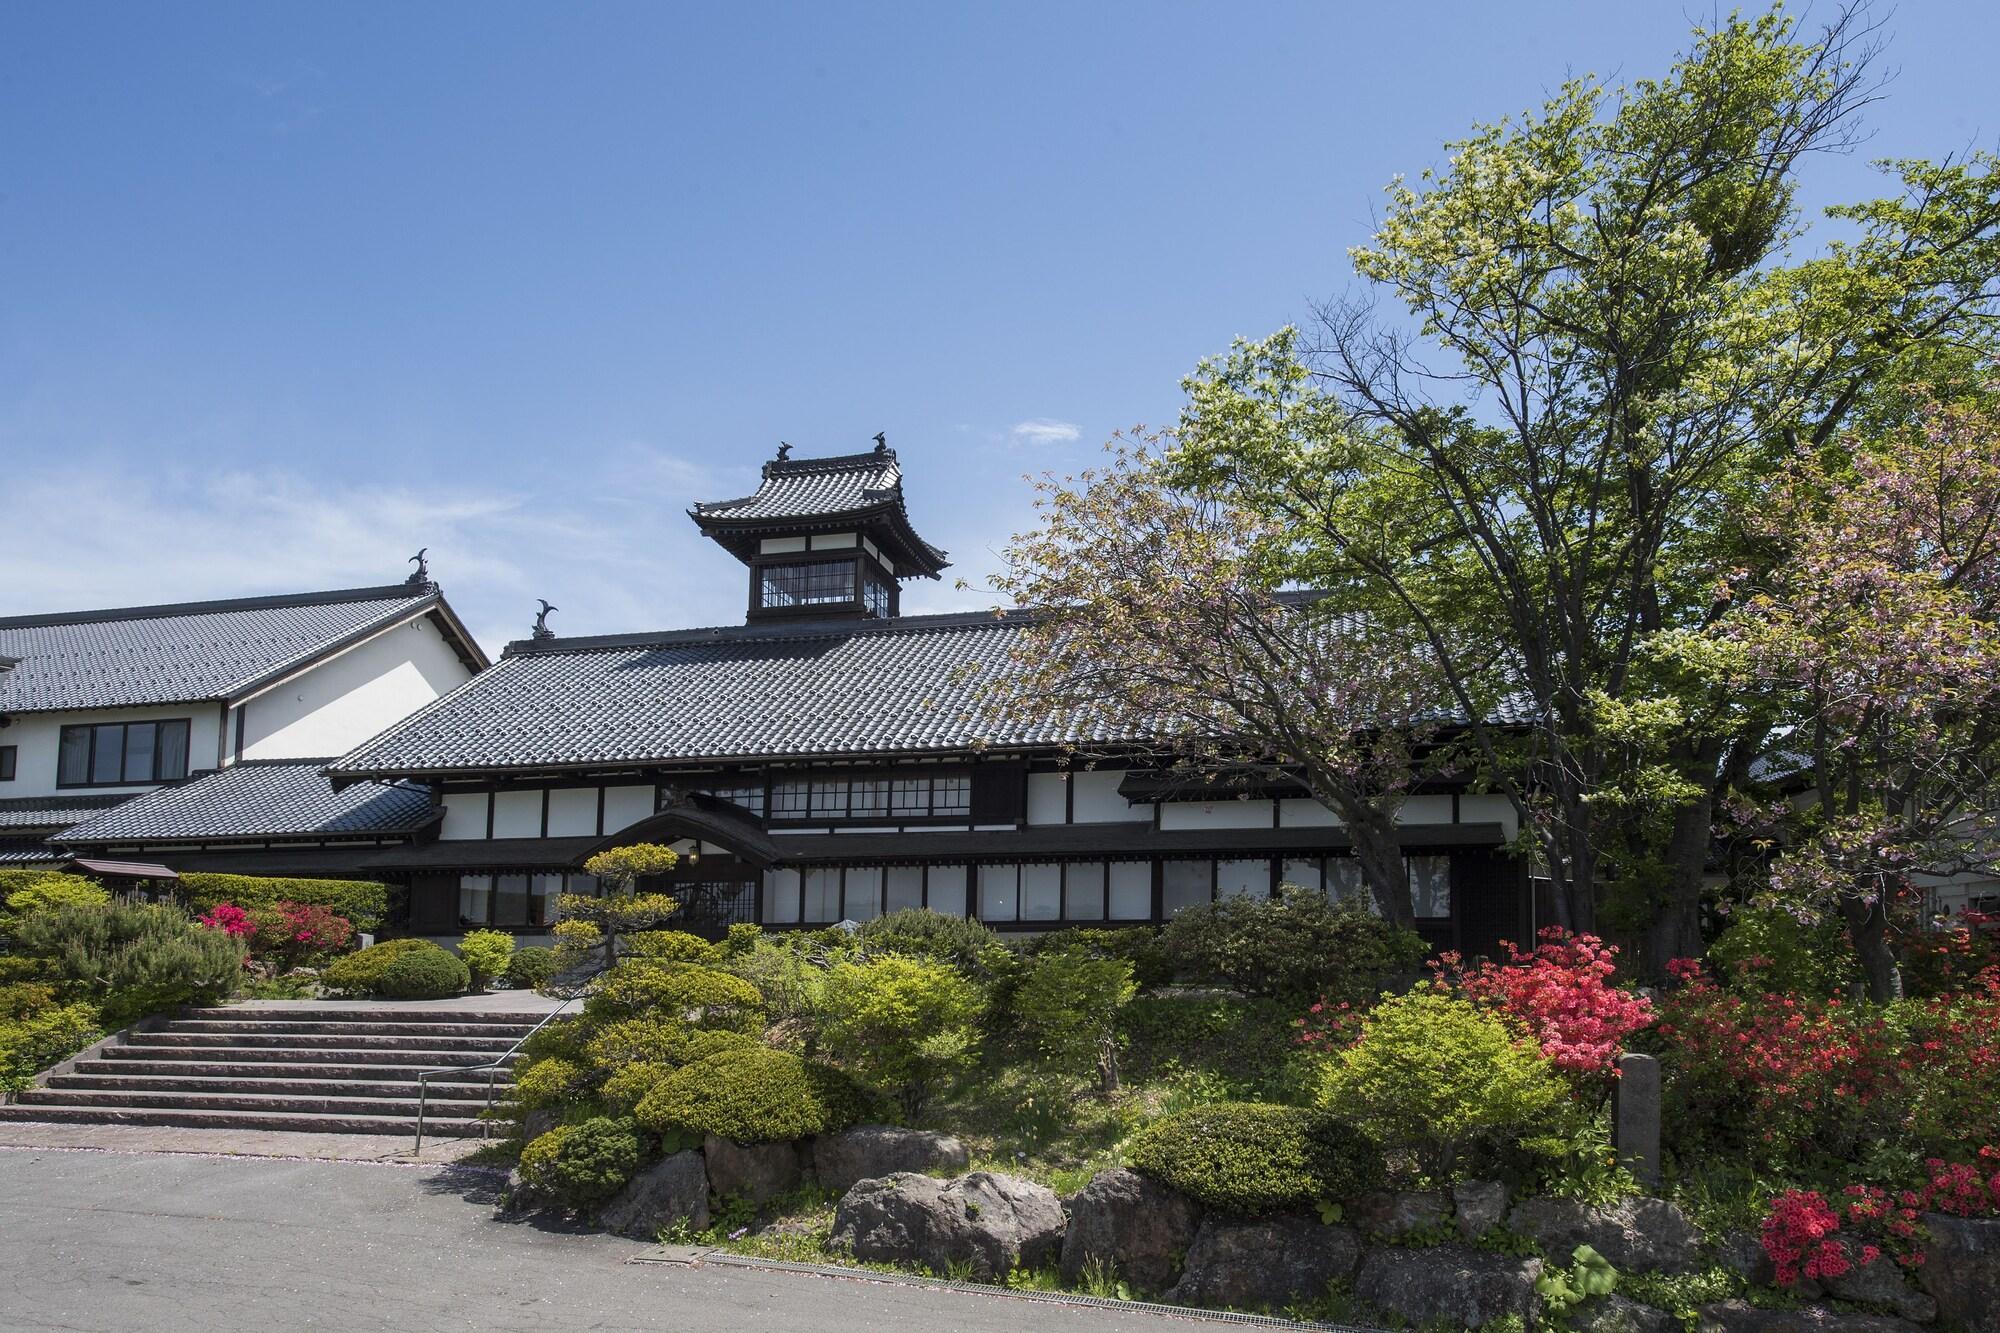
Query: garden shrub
[(46, 889), (547, 1083), (1767, 950), (1296, 946), (1431, 1074), (18, 999), (362, 902), (530, 968), (845, 1100), (32, 1042), (740, 939), (290, 935), (1250, 1157), (960, 942), (657, 1038), (1562, 994), (424, 974), (360, 973), (754, 1095), (788, 972), (632, 1084), (673, 946), (701, 1045), (486, 954), (581, 1166), (133, 959), (901, 1024), (1068, 1003), (1137, 945), (1950, 956), (698, 994), (1251, 1046)]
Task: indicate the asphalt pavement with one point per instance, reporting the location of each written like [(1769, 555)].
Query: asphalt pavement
[(105, 1242)]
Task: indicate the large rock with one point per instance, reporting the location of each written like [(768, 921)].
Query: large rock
[(671, 1189), (1394, 1214), (1962, 1270), (1881, 1284), (1452, 1284), (1480, 1205), (1264, 1262), (1743, 1254), (989, 1223), (759, 1172), (1742, 1317), (1131, 1224), (868, 1152), (1618, 1314), (1636, 1235)]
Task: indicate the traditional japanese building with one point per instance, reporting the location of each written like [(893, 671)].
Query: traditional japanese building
[(830, 759)]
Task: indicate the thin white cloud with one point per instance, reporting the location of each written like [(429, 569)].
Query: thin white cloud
[(615, 558), (1045, 430)]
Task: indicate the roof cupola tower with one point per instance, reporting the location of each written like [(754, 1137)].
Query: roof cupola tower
[(824, 538)]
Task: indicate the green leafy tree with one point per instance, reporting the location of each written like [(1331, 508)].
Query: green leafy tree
[(620, 910), (1612, 332), (902, 1025), (1068, 1004)]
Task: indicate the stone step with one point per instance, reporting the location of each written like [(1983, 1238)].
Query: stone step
[(367, 1013), (441, 1126), (440, 1089), (187, 1100), (304, 1041), (276, 1070), (268, 1027), (304, 1055)]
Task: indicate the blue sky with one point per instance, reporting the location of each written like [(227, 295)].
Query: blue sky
[(288, 291)]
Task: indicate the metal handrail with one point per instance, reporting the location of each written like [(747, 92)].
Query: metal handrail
[(491, 1069)]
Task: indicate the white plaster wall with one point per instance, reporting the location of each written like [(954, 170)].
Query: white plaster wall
[(37, 738), (1304, 812), (1098, 801), (1048, 798), (1215, 814), (572, 812), (1489, 808), (464, 815), (517, 814), (1425, 810), (626, 806), (345, 700)]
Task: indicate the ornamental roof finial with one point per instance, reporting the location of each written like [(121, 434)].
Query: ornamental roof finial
[(542, 630)]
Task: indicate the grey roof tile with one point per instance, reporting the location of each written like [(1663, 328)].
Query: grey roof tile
[(907, 686), (27, 852), (54, 812), (866, 489), (186, 652), (259, 799)]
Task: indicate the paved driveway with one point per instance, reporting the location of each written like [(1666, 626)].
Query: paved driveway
[(102, 1241)]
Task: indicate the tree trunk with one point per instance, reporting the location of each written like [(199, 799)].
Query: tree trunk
[(1676, 931), (1107, 1064), (1382, 868), (1868, 925)]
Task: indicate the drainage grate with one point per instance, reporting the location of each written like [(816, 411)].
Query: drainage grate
[(724, 1258)]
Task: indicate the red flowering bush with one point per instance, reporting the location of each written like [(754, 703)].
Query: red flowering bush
[(1952, 958), (229, 919), (1562, 994), (1809, 1239), (1800, 1234), (1803, 1084), (288, 934)]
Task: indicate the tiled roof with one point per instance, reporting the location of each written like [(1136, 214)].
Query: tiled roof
[(27, 852), (187, 652), (259, 799), (823, 492), (910, 686), (53, 812)]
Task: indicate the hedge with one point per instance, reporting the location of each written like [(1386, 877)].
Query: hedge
[(361, 901)]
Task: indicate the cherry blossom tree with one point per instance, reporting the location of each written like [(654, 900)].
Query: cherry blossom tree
[(1160, 628)]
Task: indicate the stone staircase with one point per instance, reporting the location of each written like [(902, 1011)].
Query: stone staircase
[(326, 1070)]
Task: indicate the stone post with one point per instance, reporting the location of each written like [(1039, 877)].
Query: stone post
[(1635, 1118)]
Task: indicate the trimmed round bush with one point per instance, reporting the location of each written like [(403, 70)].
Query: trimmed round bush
[(650, 1037), (701, 1045), (1296, 946), (529, 968), (580, 1166), (360, 973), (683, 990), (424, 974), (755, 1095), (624, 1090), (1249, 1157), (673, 946)]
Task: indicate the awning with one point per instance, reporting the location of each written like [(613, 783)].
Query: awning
[(119, 869)]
